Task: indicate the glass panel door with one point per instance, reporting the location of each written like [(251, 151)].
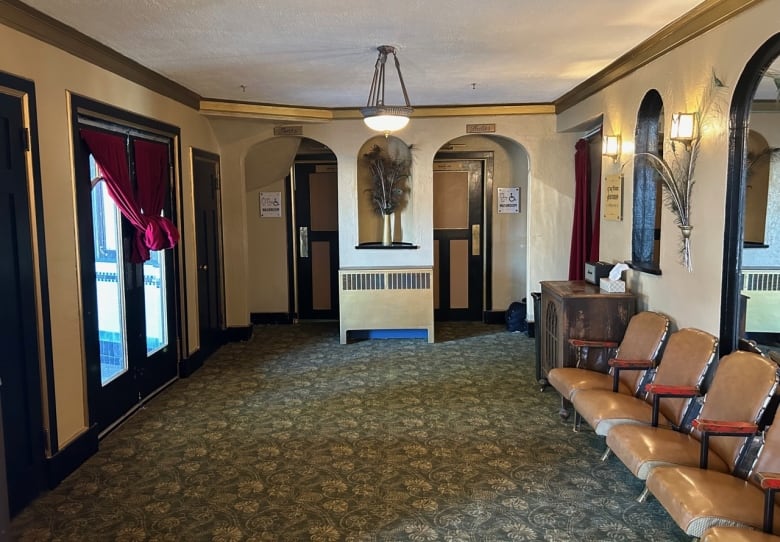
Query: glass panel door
[(106, 231)]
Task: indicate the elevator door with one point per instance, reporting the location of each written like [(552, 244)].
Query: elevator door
[(457, 239)]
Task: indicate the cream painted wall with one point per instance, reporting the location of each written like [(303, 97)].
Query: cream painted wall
[(681, 77), (56, 73), (547, 171), (267, 165)]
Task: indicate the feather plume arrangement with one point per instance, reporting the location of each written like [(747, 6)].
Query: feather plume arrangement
[(389, 177)]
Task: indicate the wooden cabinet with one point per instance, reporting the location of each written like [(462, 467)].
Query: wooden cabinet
[(579, 310)]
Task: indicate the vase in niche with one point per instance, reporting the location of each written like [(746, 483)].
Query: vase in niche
[(387, 230)]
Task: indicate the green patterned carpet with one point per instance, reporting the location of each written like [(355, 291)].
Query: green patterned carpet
[(294, 437)]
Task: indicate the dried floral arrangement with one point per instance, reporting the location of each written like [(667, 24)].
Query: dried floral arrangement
[(676, 170), (389, 176)]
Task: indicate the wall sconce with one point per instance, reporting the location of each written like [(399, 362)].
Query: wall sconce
[(610, 147), (684, 128)]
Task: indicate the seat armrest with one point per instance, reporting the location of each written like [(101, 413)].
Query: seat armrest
[(721, 428), (726, 428), (667, 390), (768, 480), (631, 364), (770, 483), (626, 365), (577, 343)]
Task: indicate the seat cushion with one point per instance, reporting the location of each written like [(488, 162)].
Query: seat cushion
[(735, 534), (570, 380), (641, 448), (605, 409), (698, 499)]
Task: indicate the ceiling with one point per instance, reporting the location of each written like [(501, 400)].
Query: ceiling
[(322, 54)]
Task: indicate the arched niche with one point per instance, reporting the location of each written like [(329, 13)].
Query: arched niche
[(370, 218)]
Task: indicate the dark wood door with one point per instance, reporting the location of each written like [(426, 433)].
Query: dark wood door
[(19, 364), (458, 239), (316, 215), (208, 232)]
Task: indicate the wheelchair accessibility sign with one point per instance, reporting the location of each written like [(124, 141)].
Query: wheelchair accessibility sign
[(509, 200)]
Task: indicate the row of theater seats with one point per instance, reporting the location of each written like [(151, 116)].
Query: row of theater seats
[(711, 459)]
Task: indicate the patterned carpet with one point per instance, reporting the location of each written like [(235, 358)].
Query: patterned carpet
[(294, 437)]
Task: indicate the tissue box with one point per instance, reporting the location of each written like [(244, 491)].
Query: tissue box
[(608, 285)]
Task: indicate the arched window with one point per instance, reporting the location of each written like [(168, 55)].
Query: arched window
[(646, 228)]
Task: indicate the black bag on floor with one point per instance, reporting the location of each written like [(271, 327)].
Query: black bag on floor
[(515, 316)]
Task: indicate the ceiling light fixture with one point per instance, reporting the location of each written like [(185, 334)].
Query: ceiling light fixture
[(377, 115)]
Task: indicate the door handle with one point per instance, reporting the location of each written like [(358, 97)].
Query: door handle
[(203, 267), (303, 241), (475, 235)]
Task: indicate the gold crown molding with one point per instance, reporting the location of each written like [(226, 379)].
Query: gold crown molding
[(40, 26), (220, 108), (700, 19), (463, 111)]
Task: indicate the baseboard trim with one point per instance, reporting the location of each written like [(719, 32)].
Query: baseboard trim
[(494, 317), (237, 334), (71, 457), (271, 318), (193, 363)]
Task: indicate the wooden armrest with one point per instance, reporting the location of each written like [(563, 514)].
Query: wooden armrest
[(768, 480), (584, 342), (724, 427), (631, 364), (672, 391), (710, 428)]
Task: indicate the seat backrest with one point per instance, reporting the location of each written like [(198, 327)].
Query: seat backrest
[(687, 358), (742, 387), (644, 338)]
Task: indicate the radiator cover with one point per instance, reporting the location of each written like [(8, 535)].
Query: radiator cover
[(394, 298)]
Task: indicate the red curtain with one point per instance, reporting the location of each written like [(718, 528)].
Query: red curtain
[(581, 232), (596, 234), (153, 232)]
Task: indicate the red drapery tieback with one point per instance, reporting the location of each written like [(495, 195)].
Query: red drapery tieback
[(144, 207)]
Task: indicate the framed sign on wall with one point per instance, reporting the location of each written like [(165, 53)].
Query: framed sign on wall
[(613, 202)]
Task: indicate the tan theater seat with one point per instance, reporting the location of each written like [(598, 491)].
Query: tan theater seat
[(686, 359), (643, 341), (698, 499), (741, 389), (736, 534)]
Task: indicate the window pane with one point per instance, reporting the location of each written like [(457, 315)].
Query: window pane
[(154, 300), (106, 228)]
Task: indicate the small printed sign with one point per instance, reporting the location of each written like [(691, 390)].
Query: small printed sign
[(288, 130), (270, 204), (613, 199), (509, 200), (480, 128)]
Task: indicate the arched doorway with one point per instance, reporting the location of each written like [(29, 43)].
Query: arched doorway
[(747, 95), (486, 167)]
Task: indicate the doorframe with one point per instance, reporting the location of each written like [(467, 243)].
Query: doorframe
[(487, 219), (192, 361), (292, 222), (736, 181), (128, 123), (46, 409)]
